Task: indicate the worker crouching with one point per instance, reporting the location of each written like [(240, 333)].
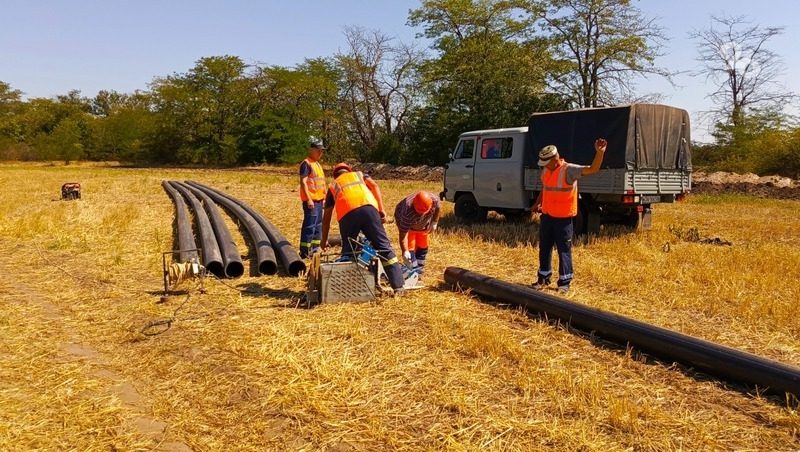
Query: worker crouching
[(359, 209), (417, 216)]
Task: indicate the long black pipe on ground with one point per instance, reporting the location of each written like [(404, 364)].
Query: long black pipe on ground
[(264, 252), (708, 357), (290, 259), (184, 227), (212, 257), (231, 260)]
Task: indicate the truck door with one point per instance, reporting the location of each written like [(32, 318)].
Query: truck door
[(459, 175), (498, 173)]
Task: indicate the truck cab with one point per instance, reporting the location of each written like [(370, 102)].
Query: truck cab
[(485, 173)]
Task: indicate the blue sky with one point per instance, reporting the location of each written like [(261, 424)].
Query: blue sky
[(48, 48)]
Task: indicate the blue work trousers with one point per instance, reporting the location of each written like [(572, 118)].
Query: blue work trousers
[(555, 232), (367, 220), (311, 231)]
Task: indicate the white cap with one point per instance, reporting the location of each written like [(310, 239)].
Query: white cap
[(547, 153)]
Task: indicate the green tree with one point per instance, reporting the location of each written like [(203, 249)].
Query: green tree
[(203, 111), (11, 132), (602, 47), (304, 98), (55, 128), (273, 139), (379, 87), (736, 59), (487, 71)]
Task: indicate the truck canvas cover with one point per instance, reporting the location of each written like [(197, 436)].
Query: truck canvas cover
[(640, 136)]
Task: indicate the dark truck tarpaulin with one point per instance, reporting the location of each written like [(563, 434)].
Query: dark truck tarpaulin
[(640, 136)]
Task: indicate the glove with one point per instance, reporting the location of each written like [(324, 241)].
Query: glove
[(407, 258), (432, 227)]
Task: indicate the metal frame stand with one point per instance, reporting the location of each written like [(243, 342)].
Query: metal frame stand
[(165, 270)]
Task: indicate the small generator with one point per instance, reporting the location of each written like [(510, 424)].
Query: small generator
[(332, 278), (71, 191)]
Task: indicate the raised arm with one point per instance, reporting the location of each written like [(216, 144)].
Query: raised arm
[(600, 145)]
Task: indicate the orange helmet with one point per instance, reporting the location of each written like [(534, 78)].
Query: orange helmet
[(422, 202), (341, 168)]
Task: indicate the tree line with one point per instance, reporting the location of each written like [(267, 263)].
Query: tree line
[(490, 63)]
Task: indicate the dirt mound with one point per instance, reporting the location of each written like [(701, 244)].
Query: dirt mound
[(721, 177), (751, 184), (386, 171), (760, 190)]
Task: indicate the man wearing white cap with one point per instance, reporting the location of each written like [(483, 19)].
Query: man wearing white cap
[(558, 202)]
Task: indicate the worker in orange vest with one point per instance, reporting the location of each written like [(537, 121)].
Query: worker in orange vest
[(312, 193), (558, 202), (359, 209)]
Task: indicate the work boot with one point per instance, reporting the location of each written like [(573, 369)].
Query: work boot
[(563, 290), (541, 283)]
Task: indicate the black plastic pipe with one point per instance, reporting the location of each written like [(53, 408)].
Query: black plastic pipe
[(231, 260), (212, 258), (714, 359), (184, 227), (288, 256), (264, 252)]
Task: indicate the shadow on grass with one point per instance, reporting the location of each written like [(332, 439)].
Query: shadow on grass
[(629, 350), (518, 232), (258, 291)]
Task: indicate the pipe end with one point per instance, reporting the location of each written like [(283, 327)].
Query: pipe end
[(216, 269), (297, 267), (268, 268), (234, 269)]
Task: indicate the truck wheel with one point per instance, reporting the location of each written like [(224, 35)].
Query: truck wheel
[(467, 209), (633, 219), (517, 216), (639, 221)]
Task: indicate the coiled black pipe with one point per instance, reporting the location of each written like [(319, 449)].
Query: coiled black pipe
[(714, 359), (184, 227), (212, 258), (288, 256), (231, 260), (264, 252)]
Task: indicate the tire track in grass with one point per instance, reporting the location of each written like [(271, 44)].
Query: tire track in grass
[(46, 323)]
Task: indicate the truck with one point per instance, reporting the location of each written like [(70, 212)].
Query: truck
[(647, 161)]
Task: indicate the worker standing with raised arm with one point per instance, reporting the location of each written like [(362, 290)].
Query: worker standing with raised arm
[(359, 209), (312, 193), (417, 216), (558, 202)]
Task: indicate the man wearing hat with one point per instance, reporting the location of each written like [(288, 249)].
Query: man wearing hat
[(312, 193), (416, 216), (558, 202), (358, 203)]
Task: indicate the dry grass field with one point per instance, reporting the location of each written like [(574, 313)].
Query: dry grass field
[(240, 368)]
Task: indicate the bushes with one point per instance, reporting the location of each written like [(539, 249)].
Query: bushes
[(760, 146)]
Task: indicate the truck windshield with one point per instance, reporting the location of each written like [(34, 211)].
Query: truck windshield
[(465, 150)]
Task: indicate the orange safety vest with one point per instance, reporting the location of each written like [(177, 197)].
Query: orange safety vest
[(315, 182), (559, 199), (351, 192)]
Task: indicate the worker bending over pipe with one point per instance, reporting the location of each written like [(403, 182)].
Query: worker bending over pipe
[(359, 209)]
